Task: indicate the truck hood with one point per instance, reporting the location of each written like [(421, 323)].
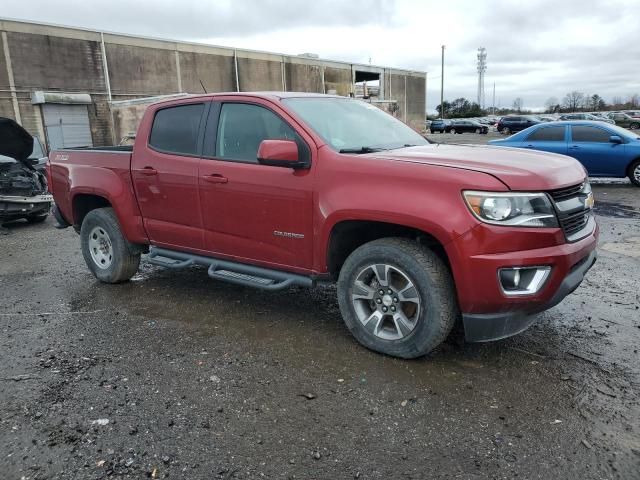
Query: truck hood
[(518, 169), (15, 141)]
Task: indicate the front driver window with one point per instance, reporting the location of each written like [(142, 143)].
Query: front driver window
[(242, 127)]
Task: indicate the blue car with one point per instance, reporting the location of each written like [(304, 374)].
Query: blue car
[(604, 150)]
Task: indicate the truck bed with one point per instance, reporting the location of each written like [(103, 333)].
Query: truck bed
[(103, 171)]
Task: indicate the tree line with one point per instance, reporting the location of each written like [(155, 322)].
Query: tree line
[(574, 101), (581, 102)]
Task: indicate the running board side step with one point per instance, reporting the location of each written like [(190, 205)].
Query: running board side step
[(233, 272)]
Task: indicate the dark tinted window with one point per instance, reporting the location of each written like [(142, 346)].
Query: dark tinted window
[(547, 134), (243, 126), (175, 129), (589, 134), (512, 119)]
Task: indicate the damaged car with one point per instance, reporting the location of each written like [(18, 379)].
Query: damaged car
[(23, 186)]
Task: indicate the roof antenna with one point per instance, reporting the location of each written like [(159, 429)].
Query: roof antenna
[(202, 84)]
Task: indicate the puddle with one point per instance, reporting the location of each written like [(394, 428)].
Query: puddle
[(616, 210)]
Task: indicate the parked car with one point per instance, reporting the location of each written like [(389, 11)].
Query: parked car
[(271, 190), (585, 116), (23, 188), (439, 125), (461, 126), (604, 150), (633, 113), (624, 120), (515, 123), (546, 118)]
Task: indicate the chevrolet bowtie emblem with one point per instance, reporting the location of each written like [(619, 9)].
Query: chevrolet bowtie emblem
[(589, 201)]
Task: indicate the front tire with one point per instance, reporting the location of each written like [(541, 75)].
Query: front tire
[(634, 126), (106, 251), (397, 297), (505, 131), (634, 173)]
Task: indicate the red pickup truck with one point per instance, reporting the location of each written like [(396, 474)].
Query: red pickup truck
[(278, 189)]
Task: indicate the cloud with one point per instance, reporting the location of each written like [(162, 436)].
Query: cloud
[(189, 19), (535, 49)]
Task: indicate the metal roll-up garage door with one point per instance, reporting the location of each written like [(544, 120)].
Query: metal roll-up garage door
[(67, 126)]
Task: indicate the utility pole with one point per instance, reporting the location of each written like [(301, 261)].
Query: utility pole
[(494, 98), (442, 86)]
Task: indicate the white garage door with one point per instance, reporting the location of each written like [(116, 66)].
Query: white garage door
[(67, 125)]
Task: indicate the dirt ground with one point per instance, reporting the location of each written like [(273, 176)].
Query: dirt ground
[(173, 375)]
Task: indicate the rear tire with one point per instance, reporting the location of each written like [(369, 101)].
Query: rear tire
[(634, 173), (634, 126), (106, 251), (478, 131), (422, 296)]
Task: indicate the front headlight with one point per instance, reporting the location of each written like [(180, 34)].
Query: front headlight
[(510, 208)]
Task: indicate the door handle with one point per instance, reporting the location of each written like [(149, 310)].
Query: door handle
[(148, 171), (575, 147), (529, 146), (215, 178)]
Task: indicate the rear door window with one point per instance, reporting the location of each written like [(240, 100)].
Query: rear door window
[(589, 134), (175, 129), (547, 134)]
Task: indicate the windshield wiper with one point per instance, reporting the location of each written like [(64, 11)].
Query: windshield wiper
[(361, 150)]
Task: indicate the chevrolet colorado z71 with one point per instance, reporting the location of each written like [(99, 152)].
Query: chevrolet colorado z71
[(279, 189)]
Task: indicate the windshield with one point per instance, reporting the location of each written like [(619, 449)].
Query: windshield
[(347, 124), (37, 149), (623, 132)]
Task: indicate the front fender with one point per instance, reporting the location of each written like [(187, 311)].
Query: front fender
[(424, 197)]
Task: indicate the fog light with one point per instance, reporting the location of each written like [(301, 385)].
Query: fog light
[(523, 280)]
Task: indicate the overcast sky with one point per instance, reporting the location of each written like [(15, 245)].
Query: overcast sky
[(536, 49)]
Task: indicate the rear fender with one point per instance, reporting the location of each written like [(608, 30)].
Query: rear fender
[(116, 188)]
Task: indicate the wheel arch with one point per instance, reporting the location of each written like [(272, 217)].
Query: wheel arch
[(347, 235), (628, 170), (83, 203)]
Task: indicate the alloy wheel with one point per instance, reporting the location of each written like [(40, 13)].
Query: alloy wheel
[(386, 301)]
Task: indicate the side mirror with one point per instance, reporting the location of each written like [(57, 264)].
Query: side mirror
[(280, 153), (615, 139)]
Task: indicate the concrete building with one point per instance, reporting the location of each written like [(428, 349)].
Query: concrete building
[(62, 83)]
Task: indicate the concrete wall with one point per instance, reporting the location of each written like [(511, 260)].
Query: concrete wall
[(303, 78), (141, 71), (416, 101), (216, 72), (61, 59), (338, 79)]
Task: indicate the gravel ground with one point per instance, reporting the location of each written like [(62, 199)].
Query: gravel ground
[(173, 375)]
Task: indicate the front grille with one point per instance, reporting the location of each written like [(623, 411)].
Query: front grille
[(573, 213), (575, 222), (563, 193)]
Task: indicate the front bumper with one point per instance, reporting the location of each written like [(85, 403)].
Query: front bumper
[(476, 256), (484, 327), (19, 207)]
